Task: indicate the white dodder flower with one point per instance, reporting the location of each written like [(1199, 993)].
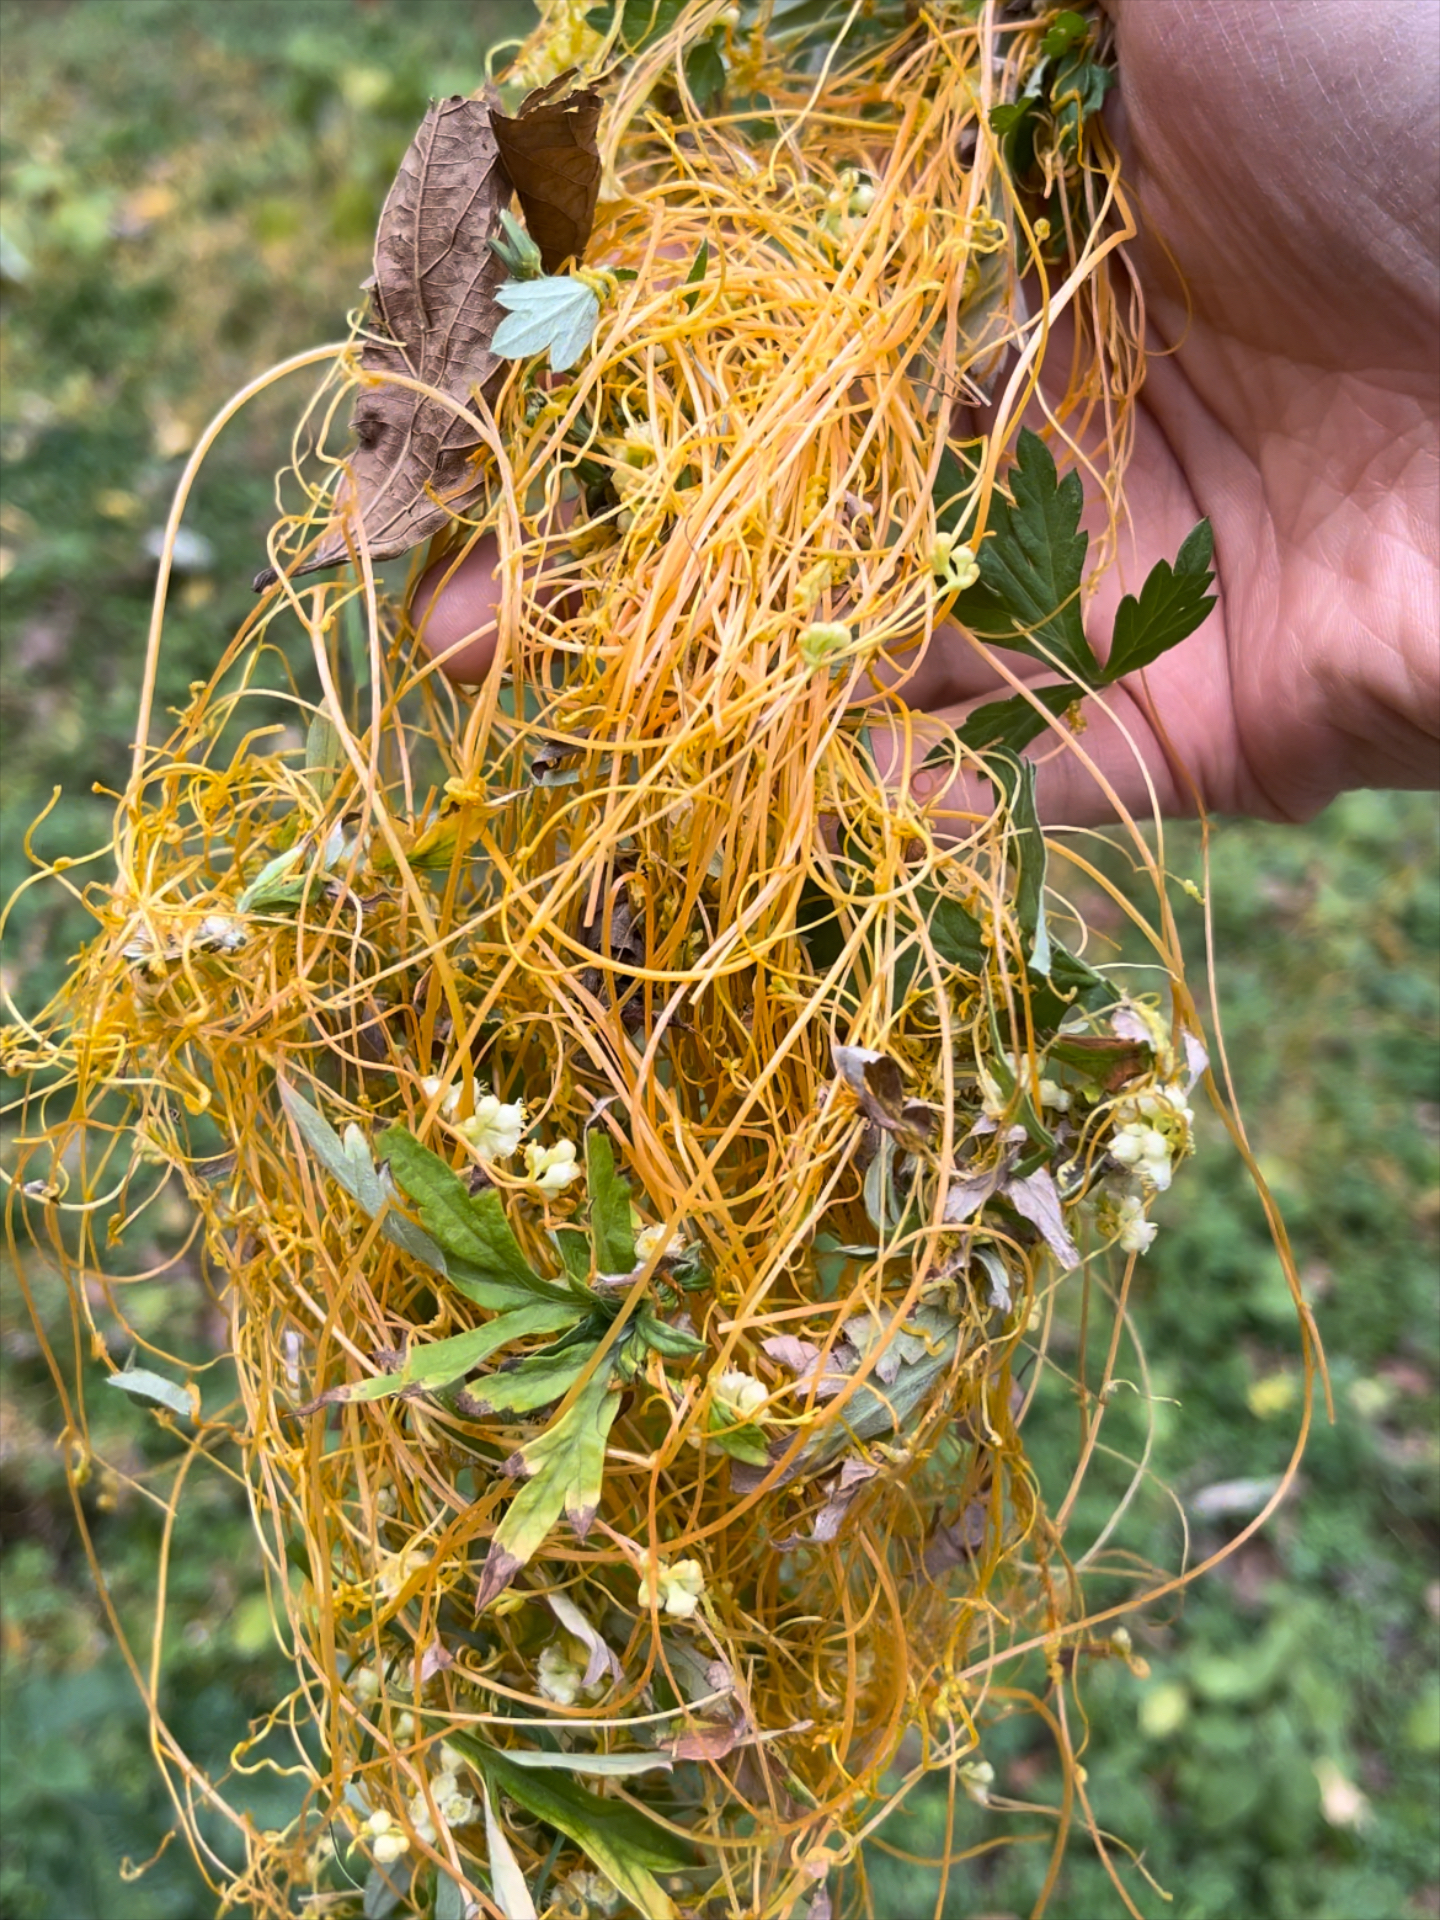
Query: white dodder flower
[(559, 1676), (740, 1393), (675, 1590), (387, 1842), (651, 1240), (1153, 1131), (1123, 1220), (432, 1084), (551, 1169), (493, 1131)]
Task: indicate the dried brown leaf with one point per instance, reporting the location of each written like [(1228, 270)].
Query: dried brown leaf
[(433, 312), (1037, 1198), (876, 1078), (550, 153)]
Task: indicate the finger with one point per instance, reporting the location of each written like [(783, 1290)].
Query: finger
[(1117, 766), (456, 611)]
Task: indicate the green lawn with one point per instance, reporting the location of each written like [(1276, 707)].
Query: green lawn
[(188, 194)]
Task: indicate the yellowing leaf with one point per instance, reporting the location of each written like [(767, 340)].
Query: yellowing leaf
[(566, 1465)]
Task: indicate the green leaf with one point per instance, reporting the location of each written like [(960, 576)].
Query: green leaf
[(274, 886), (1028, 594), (1064, 30), (611, 1765), (539, 1381), (1077, 90), (954, 930), (567, 1467), (705, 71), (439, 1362), (873, 1411), (508, 1886), (517, 252), (351, 1166), (573, 1247), (745, 1443), (673, 1342), (611, 1232), (698, 267), (385, 1889), (322, 753), (626, 1847), (1016, 122), (154, 1386), (954, 487), (485, 1260), (556, 311), (1173, 603), (644, 21), (1015, 778), (1014, 723)]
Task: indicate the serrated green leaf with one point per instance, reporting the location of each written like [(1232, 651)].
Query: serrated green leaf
[(873, 1411), (611, 1232), (484, 1259), (673, 1342), (350, 1163), (539, 1381), (1014, 723), (145, 1385), (626, 1847), (1173, 602), (566, 1465), (1031, 563), (437, 1363), (556, 311)]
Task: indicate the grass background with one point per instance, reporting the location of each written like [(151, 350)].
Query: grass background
[(189, 191)]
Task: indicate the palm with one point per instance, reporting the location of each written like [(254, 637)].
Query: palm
[(1280, 155)]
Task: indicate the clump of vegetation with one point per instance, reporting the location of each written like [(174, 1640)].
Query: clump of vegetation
[(645, 1113)]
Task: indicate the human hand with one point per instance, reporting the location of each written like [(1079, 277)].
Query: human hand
[(1281, 154)]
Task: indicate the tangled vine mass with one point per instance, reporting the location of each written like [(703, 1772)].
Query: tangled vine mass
[(642, 1108)]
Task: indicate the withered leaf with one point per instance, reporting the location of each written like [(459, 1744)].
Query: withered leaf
[(434, 311), (550, 153), (1036, 1198), (876, 1078)]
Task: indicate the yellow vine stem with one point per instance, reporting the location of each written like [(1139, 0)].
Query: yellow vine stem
[(588, 887)]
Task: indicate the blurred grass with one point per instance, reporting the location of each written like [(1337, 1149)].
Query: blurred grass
[(187, 193)]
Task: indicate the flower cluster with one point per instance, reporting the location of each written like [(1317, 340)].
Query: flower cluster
[(452, 1802), (1121, 1218), (674, 1590), (1152, 1132), (551, 1169)]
